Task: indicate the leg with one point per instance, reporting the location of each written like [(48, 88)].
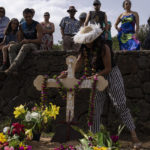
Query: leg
[(99, 103), (13, 49), (4, 51), (25, 49), (5, 62), (116, 93), (67, 43)]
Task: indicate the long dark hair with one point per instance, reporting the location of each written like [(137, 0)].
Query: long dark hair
[(9, 29), (98, 48), (98, 45)]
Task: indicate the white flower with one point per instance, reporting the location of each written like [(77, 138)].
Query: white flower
[(6, 129), (35, 115), (28, 116)]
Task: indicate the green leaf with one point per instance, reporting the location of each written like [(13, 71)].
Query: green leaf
[(80, 131)]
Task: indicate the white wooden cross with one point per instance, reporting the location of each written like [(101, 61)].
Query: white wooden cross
[(69, 82)]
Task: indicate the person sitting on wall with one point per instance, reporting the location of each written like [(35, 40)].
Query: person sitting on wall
[(23, 20), (11, 37), (30, 35), (69, 27)]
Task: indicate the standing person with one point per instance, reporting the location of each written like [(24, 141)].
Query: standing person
[(127, 34), (98, 17), (146, 44), (3, 23), (30, 35), (10, 37), (109, 40), (69, 27), (82, 18), (48, 30), (100, 58)]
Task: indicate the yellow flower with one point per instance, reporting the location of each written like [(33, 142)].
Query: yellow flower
[(2, 138), (100, 148), (45, 119), (19, 110), (53, 112), (29, 134)]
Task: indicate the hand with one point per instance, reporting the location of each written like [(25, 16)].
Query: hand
[(12, 42), (118, 29), (135, 36), (93, 76), (63, 74), (25, 41)]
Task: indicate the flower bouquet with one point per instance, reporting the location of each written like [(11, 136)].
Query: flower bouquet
[(99, 141), (36, 119), (13, 138)]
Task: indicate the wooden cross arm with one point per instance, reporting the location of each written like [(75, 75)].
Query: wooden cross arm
[(70, 82)]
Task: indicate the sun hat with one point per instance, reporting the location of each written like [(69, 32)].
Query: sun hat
[(88, 34)]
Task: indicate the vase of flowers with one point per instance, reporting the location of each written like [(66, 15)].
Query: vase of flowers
[(36, 119), (13, 138)]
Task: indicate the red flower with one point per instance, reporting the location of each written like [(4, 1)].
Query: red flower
[(5, 144), (17, 128)]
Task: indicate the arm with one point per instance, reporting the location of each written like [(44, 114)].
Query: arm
[(79, 62), (50, 31), (87, 19), (137, 22), (107, 62), (3, 42), (106, 27), (117, 22), (62, 31), (106, 23)]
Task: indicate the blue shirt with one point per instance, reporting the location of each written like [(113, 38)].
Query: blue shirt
[(3, 24), (11, 37), (70, 26)]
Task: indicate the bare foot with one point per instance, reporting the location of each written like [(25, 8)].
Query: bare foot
[(136, 143)]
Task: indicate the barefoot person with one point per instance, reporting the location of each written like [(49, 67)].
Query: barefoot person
[(101, 62), (30, 35), (127, 34), (48, 30), (9, 38), (69, 27)]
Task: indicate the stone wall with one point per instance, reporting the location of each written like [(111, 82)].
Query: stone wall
[(135, 68)]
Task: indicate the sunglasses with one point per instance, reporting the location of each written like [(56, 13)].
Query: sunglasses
[(46, 15), (96, 4)]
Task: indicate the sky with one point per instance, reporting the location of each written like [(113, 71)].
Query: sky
[(58, 10)]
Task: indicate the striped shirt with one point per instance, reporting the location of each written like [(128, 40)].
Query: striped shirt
[(3, 24)]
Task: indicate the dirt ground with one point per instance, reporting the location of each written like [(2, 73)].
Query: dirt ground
[(45, 144)]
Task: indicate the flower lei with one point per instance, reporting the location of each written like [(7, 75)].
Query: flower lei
[(62, 89), (44, 91)]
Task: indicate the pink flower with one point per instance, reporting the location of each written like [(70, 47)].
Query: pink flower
[(8, 148)]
